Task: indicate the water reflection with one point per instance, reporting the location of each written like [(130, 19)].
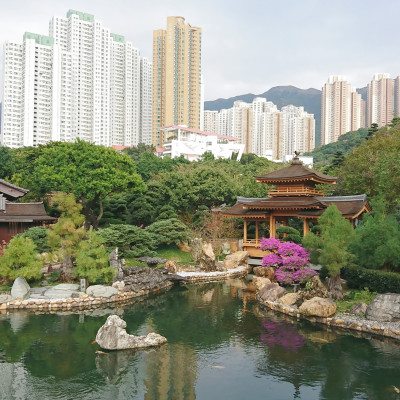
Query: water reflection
[(220, 345)]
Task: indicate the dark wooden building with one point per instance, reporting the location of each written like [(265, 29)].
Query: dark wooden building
[(18, 217), (294, 194)]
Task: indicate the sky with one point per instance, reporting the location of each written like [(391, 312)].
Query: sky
[(247, 46)]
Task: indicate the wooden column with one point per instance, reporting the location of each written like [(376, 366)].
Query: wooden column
[(272, 225), (306, 226), (257, 231), (245, 231)]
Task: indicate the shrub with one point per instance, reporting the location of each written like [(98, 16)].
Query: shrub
[(168, 231), (375, 281), (38, 234), (292, 234), (20, 259)]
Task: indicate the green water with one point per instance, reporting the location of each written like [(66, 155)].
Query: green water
[(215, 350)]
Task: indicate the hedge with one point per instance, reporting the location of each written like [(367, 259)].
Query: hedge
[(375, 281)]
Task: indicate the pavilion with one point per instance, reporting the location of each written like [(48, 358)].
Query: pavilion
[(295, 194)]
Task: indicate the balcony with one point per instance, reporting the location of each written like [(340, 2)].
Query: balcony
[(295, 191)]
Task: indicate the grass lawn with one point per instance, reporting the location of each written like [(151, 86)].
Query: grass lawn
[(354, 297), (174, 254)]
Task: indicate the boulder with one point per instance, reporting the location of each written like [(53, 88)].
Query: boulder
[(20, 289), (101, 291), (266, 272), (117, 265), (315, 289), (113, 336), (289, 299), (318, 307), (271, 292), (5, 298), (119, 285), (62, 291), (384, 308), (171, 267), (236, 259), (226, 248), (359, 309), (207, 258), (220, 266), (259, 282)]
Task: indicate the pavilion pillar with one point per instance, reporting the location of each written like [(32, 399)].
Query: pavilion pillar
[(256, 231), (245, 231), (306, 226), (272, 226)]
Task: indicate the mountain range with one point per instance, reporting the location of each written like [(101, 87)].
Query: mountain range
[(282, 96)]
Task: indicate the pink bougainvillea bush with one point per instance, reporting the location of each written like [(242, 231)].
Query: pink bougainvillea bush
[(289, 260)]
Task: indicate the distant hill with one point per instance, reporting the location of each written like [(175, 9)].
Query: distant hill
[(282, 96), (310, 99)]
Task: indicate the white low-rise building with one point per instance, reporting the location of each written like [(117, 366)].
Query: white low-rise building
[(193, 143)]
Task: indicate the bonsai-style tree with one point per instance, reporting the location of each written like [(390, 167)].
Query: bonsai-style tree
[(332, 243)]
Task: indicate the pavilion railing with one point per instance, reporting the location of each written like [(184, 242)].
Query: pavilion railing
[(295, 190)]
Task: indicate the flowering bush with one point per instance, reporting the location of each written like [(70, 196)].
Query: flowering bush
[(289, 260)]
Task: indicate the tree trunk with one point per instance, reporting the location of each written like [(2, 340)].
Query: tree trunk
[(66, 274), (335, 287)]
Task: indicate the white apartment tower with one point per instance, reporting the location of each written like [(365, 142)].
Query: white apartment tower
[(81, 81), (342, 109), (211, 121), (380, 100), (397, 96)]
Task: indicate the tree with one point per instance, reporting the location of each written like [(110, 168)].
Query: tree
[(38, 234), (92, 259), (20, 259), (169, 231), (88, 171), (335, 234), (7, 165), (372, 130), (67, 233)]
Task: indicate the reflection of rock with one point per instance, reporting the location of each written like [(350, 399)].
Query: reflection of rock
[(113, 364), (320, 337), (113, 336), (236, 259), (359, 309), (18, 320), (318, 307), (384, 308), (105, 311), (271, 292), (237, 283), (20, 289), (207, 297), (101, 291)]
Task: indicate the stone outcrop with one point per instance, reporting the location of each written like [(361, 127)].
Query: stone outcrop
[(318, 307), (236, 259), (384, 308), (117, 265), (62, 291), (220, 266), (101, 291), (289, 299), (259, 282), (315, 289), (119, 285), (113, 336), (207, 258), (4, 298), (271, 292), (20, 289), (171, 267), (359, 309), (145, 278), (266, 272)]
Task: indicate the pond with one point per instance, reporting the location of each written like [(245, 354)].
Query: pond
[(221, 345)]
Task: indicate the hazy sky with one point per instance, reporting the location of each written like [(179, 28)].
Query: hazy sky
[(248, 46)]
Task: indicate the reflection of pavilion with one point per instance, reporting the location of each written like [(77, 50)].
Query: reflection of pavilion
[(295, 195)]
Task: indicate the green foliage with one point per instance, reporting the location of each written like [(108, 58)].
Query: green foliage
[(166, 212), (20, 259), (7, 164), (354, 297), (375, 281), (88, 171), (377, 241), (169, 231), (374, 168), (92, 259), (292, 234), (130, 240), (38, 234), (372, 130), (332, 243)]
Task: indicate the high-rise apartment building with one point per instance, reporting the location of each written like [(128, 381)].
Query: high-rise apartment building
[(211, 121), (177, 82), (380, 100), (397, 97), (81, 81), (341, 109)]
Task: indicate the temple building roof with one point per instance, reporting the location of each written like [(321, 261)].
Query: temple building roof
[(25, 212), (295, 172), (10, 191)]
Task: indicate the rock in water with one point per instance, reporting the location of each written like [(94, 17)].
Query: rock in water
[(20, 289), (318, 307), (113, 336)]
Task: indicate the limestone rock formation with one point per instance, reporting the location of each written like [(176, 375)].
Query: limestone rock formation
[(117, 265), (145, 278), (207, 258), (316, 289), (171, 267), (236, 259), (259, 282), (318, 307), (384, 308), (20, 289), (266, 272), (359, 309), (62, 291), (4, 298), (113, 336), (101, 291), (119, 285), (289, 299), (271, 292)]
